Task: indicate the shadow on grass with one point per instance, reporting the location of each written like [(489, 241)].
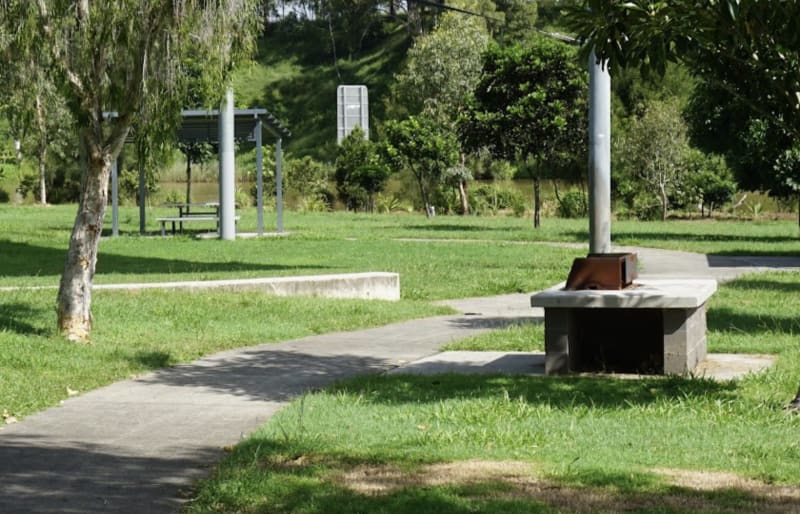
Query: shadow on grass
[(558, 392), (14, 318), (450, 228), (153, 360), (297, 475), (726, 319), (704, 238), (764, 284), (22, 259)]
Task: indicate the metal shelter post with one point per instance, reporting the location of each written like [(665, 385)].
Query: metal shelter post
[(599, 156), (115, 197), (141, 196), (227, 172), (259, 178), (279, 183)]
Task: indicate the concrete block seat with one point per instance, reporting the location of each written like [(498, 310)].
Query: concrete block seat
[(652, 327)]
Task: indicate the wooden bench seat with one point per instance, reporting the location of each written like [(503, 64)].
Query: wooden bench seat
[(180, 220)]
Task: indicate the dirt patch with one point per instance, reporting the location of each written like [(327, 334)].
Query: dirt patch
[(717, 480), (515, 480)]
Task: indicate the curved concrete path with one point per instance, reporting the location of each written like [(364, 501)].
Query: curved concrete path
[(135, 445)]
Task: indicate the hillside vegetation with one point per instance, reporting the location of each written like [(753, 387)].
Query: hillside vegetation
[(294, 77)]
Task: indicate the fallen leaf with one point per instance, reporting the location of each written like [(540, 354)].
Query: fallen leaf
[(8, 418), (71, 392)]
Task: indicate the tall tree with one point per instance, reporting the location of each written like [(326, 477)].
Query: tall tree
[(420, 144), (654, 150), (116, 57), (750, 48), (435, 84), (529, 103)]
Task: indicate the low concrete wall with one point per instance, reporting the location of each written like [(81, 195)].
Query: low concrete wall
[(367, 286)]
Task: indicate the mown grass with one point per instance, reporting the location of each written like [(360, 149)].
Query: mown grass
[(615, 443), (593, 438), (139, 331)]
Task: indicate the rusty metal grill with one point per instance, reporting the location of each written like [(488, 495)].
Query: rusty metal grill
[(612, 271)]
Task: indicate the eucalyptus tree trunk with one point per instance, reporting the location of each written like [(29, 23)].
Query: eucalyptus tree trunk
[(75, 289), (462, 194)]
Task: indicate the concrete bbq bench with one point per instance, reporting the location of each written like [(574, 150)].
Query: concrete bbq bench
[(651, 327)]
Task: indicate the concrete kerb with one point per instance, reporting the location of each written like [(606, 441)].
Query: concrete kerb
[(365, 286)]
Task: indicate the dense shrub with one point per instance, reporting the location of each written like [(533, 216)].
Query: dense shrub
[(489, 199), (573, 204)]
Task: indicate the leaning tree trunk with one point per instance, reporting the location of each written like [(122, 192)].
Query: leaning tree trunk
[(462, 193), (75, 290)]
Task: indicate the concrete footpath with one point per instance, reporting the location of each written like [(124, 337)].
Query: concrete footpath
[(135, 445)]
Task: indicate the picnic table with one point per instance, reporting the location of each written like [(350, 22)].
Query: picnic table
[(188, 213)]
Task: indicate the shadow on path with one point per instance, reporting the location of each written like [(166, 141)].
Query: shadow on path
[(80, 478)]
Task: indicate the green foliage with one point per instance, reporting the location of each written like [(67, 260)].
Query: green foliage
[(529, 105), (421, 145), (528, 101), (708, 182), (360, 172), (442, 67), (747, 49), (573, 204), (486, 167), (521, 17), (752, 144), (653, 152), (294, 77), (489, 199)]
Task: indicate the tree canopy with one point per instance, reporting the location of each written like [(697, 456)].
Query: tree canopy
[(748, 47), (530, 102)]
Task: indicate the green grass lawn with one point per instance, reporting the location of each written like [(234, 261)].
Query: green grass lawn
[(568, 444), (446, 444)]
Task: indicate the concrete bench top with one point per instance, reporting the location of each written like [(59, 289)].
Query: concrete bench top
[(646, 294), (188, 218)]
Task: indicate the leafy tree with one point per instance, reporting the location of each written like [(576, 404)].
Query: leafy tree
[(655, 150), (755, 146), (529, 103), (360, 173), (520, 21), (707, 181), (443, 66), (422, 146), (437, 84), (36, 115), (121, 57)]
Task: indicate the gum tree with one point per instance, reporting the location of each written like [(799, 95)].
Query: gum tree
[(123, 57)]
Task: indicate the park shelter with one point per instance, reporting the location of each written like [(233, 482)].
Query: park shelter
[(249, 126)]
